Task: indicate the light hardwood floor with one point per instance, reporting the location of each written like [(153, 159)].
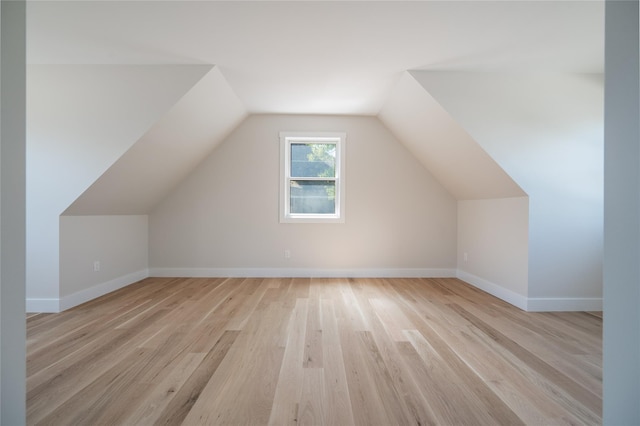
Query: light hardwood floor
[(311, 351)]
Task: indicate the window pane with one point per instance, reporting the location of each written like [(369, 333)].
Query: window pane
[(313, 160), (316, 196)]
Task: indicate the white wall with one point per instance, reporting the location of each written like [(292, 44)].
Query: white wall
[(119, 243), (546, 131), (223, 219), (80, 120), (493, 246)]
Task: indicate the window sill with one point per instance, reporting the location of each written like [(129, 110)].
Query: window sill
[(312, 219)]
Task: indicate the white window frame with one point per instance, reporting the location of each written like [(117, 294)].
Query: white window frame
[(286, 139)]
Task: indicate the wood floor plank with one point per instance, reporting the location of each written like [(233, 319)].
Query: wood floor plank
[(289, 389), (150, 409), (313, 336), (348, 307), (366, 401), (83, 403), (337, 396), (51, 386), (181, 404), (561, 351), (78, 333), (395, 381), (242, 389), (465, 356), (394, 385), (550, 398), (452, 400), (508, 379), (248, 304), (334, 351), (312, 407), (582, 395)]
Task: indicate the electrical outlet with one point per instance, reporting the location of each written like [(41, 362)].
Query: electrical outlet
[(287, 254), (466, 257), (96, 266)]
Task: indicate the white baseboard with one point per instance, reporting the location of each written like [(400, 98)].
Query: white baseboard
[(559, 304), (43, 305), (496, 290), (75, 299), (532, 304), (518, 300), (91, 293), (303, 272)]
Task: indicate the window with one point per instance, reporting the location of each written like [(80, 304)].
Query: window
[(312, 177)]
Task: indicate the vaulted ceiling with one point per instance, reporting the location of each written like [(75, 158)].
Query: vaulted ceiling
[(303, 57)]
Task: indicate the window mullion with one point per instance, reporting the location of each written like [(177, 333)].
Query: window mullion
[(313, 178)]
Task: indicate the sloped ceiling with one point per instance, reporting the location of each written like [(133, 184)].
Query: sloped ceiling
[(314, 57), (82, 118), (545, 129), (167, 152), (451, 155)]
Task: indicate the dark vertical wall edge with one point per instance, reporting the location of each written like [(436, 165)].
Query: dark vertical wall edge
[(621, 292), (12, 211)]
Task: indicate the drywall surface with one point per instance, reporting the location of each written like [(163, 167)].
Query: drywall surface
[(118, 243), (167, 153), (80, 120), (442, 145), (225, 215), (493, 246), (621, 337), (12, 213), (546, 132)]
